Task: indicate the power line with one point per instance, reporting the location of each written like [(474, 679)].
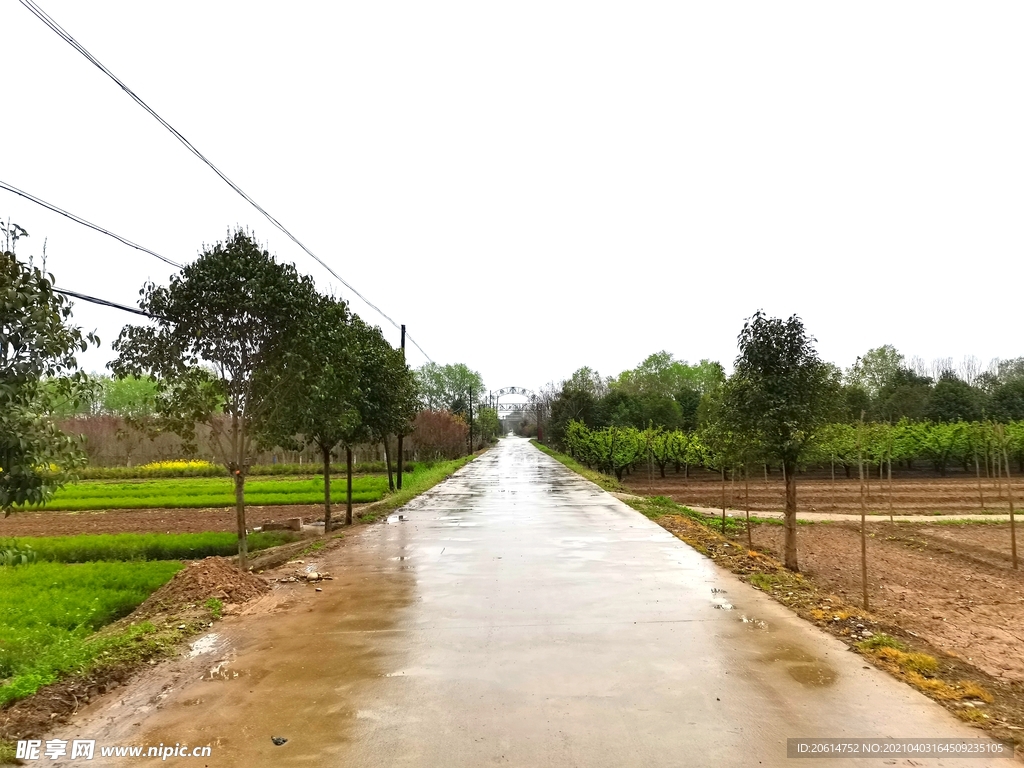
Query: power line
[(66, 36), (80, 220), (105, 303)]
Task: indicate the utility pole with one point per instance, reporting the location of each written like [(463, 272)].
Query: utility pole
[(401, 458), (471, 419)]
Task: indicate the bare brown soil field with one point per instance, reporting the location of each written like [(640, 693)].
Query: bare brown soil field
[(154, 520), (951, 585), (913, 495)]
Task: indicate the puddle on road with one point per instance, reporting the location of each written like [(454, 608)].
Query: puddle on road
[(204, 644), (817, 674), (221, 671), (754, 623), (801, 665)]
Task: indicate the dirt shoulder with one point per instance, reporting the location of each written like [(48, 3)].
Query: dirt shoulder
[(907, 632), (952, 586)]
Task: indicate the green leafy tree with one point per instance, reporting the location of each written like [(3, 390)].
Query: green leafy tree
[(907, 397), (390, 390), (780, 395), (1007, 402), (876, 370), (38, 370), (219, 322), (576, 401), (689, 406), (132, 399), (488, 425), (619, 409), (953, 399), (312, 387), (447, 387), (662, 374)]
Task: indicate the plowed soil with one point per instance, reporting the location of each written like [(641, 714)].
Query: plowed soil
[(952, 585), (912, 494), (154, 520)]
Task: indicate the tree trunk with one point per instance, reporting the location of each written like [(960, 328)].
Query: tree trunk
[(1009, 494), (977, 472), (387, 460), (890, 489), (863, 522), (833, 481), (723, 500), (327, 488), (348, 493), (746, 504), (401, 461), (789, 471), (243, 542)]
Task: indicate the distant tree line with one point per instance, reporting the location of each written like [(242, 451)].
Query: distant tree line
[(785, 409)]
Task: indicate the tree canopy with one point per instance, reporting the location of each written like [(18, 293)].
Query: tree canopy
[(227, 316), (780, 395), (38, 372), (448, 387)]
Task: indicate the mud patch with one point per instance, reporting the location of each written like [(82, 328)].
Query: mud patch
[(214, 577)]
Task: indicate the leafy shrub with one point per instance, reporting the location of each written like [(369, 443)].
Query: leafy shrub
[(180, 464), (13, 553)]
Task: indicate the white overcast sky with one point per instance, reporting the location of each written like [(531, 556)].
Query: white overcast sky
[(536, 186)]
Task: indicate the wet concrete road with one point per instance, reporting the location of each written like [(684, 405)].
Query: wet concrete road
[(523, 617)]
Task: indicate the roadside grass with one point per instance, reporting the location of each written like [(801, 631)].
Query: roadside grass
[(921, 670), (215, 607), (146, 546), (48, 611), (599, 478), (413, 485), (196, 493)]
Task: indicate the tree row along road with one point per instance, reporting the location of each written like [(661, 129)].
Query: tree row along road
[(522, 616)]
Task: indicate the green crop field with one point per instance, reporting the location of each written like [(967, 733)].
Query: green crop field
[(49, 610), (146, 546), (200, 492)]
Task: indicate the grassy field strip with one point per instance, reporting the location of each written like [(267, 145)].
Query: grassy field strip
[(50, 609), (193, 493), (147, 546), (201, 469)]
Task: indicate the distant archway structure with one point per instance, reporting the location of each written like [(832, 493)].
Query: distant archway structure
[(512, 414), (501, 407)]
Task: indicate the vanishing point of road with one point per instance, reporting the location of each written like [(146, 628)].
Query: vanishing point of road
[(520, 616)]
